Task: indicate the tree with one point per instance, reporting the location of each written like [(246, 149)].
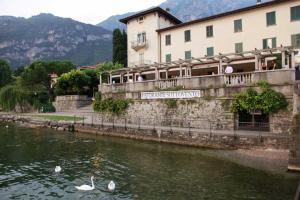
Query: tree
[(123, 53), (117, 46), (5, 73), (72, 83)]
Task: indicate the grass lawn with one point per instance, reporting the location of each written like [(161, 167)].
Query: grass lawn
[(59, 117)]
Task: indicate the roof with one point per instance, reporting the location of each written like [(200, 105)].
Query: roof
[(87, 67), (155, 9), (261, 5)]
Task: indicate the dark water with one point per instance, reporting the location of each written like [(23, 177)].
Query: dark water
[(140, 170)]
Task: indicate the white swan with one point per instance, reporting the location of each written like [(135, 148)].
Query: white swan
[(86, 187), (57, 169), (111, 186), (6, 126)]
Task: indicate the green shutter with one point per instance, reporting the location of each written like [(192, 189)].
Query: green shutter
[(187, 36), (209, 31), (265, 44), (210, 51), (296, 41), (168, 58), (188, 55), (295, 13), (238, 47), (271, 18)]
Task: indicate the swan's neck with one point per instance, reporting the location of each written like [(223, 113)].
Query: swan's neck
[(92, 183)]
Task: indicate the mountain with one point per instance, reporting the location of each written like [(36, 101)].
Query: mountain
[(46, 37), (187, 10)]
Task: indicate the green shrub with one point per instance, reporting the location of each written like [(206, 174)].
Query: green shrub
[(111, 106)]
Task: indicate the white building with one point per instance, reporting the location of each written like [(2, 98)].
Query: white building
[(264, 36)]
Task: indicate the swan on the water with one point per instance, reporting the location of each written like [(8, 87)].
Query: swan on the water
[(111, 186), (57, 169), (86, 187), (6, 126)]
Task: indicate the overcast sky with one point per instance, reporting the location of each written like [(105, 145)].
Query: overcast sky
[(87, 11)]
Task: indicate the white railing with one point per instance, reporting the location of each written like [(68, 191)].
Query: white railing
[(238, 79), (163, 84), (140, 63)]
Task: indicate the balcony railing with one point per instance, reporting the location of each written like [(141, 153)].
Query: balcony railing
[(137, 45), (276, 77), (140, 63)]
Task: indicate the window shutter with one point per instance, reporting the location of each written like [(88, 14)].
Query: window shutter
[(274, 45), (265, 43)]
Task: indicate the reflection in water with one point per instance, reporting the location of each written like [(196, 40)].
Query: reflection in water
[(140, 170)]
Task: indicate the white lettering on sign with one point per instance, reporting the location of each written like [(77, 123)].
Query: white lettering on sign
[(184, 94)]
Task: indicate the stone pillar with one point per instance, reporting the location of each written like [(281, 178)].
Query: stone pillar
[(110, 78), (257, 68), (283, 59), (156, 74), (121, 78), (180, 68), (220, 66), (293, 62), (167, 73), (127, 77)]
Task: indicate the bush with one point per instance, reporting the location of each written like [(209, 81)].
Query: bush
[(111, 106)]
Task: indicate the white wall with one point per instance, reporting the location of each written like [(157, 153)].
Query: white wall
[(254, 31)]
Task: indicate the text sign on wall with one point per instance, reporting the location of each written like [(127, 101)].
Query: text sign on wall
[(184, 94)]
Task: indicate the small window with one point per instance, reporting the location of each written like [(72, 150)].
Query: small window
[(168, 58), (187, 35), (209, 31), (295, 13), (141, 19), (188, 55), (271, 18), (239, 47), (238, 26), (168, 40), (269, 43), (296, 40), (210, 51)]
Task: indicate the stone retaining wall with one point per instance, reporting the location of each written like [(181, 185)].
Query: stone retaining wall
[(71, 102)]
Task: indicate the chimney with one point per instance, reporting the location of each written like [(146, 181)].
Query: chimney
[(258, 2), (168, 9)]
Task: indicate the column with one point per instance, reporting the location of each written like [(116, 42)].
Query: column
[(256, 63), (293, 62), (220, 66), (121, 78), (283, 59), (156, 73), (167, 73), (180, 68), (127, 76), (185, 71), (110, 78)]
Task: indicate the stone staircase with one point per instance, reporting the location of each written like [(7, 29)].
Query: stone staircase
[(85, 109)]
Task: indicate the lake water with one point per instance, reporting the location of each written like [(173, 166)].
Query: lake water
[(141, 170)]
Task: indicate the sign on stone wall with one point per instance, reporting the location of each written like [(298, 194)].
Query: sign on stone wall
[(184, 94)]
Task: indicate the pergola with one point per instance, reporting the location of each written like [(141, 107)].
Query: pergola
[(220, 60)]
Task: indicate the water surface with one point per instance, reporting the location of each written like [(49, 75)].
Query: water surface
[(141, 170)]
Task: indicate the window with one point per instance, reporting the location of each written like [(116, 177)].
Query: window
[(269, 43), (239, 47), (141, 38), (238, 26), (295, 13), (141, 19), (210, 51), (168, 40), (168, 58), (209, 31), (296, 40), (187, 35), (271, 18), (188, 55)]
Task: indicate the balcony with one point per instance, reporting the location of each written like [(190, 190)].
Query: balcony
[(140, 63), (137, 45)]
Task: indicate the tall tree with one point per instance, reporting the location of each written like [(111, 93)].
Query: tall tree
[(5, 73), (117, 46), (124, 49)]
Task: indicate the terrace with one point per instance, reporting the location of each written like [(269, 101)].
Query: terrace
[(276, 66)]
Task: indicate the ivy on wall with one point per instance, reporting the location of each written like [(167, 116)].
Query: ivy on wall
[(265, 100), (110, 105)]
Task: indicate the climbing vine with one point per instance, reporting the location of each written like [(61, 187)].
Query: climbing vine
[(110, 105), (266, 100)]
